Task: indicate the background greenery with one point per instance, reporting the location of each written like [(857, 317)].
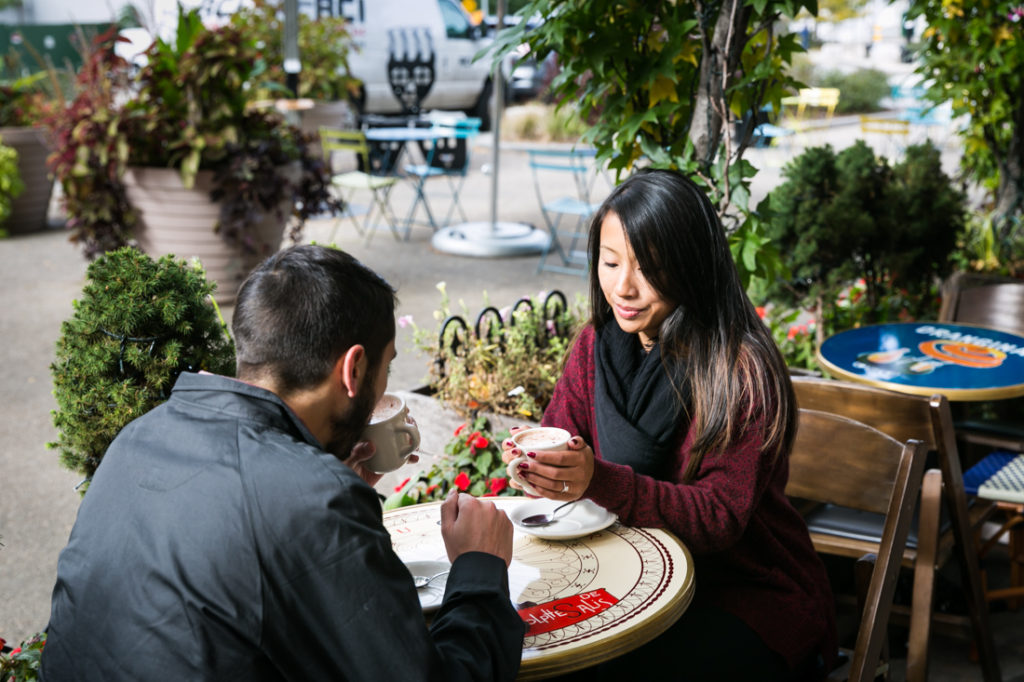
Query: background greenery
[(972, 56), (864, 241)]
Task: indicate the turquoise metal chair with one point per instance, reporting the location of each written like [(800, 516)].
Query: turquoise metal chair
[(569, 238), (449, 158)]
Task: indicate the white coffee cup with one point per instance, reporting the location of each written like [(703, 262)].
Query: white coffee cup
[(392, 432), (534, 440)]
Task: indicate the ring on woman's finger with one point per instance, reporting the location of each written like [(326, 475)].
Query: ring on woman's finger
[(565, 487)]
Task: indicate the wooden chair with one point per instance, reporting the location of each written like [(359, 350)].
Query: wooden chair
[(929, 420), (868, 470), (335, 140), (997, 302), (987, 300)]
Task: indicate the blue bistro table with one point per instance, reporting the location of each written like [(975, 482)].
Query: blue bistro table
[(962, 362)]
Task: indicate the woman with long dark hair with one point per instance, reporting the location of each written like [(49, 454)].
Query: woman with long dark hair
[(684, 415)]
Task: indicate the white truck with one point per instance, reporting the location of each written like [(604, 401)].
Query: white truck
[(415, 55), (411, 55)]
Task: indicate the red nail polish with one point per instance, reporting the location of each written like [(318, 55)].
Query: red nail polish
[(508, 443), (523, 466), (516, 451), (531, 455)]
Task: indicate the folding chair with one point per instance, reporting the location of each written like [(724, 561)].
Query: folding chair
[(866, 470), (888, 129), (837, 531), (823, 100), (546, 164), (349, 182), (449, 158)]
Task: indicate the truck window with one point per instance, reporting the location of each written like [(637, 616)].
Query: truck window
[(455, 22)]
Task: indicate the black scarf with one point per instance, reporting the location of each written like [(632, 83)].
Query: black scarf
[(635, 407)]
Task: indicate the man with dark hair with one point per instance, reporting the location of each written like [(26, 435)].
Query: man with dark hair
[(232, 532)]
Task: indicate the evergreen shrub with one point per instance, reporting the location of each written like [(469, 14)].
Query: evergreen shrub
[(841, 218), (861, 91), (138, 324)]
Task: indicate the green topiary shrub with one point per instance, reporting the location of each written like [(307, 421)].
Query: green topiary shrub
[(861, 91), (137, 326), (11, 185), (841, 218)]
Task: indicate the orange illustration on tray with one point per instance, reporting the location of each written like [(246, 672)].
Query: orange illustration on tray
[(964, 354), (939, 352)]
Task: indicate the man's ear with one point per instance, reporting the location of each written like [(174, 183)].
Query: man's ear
[(353, 367)]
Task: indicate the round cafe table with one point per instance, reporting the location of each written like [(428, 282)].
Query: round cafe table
[(962, 362), (586, 600)]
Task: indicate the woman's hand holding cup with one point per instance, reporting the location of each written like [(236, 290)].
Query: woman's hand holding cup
[(548, 462)]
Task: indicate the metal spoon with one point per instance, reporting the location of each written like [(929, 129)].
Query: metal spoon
[(421, 581), (545, 519)]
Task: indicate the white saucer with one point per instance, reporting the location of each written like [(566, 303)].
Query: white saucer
[(432, 595), (583, 518)]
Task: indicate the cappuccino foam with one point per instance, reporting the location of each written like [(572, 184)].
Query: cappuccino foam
[(540, 439), (387, 408)]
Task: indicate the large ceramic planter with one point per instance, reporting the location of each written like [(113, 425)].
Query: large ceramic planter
[(180, 221), (29, 210)]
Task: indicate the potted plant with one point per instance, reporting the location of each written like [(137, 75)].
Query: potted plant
[(138, 324), (324, 46), (508, 362), (170, 158), (24, 102)]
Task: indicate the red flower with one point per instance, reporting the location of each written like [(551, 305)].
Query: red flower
[(472, 404), (480, 443), (497, 485), (791, 334), (431, 488), (760, 311), (472, 437), (15, 650), (462, 481), (401, 485), (460, 429)]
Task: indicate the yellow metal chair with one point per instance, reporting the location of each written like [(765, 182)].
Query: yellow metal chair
[(890, 130), (810, 100), (348, 183), (817, 98)]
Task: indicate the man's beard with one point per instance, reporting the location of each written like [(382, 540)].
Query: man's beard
[(346, 431)]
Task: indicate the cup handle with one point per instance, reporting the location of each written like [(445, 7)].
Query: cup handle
[(414, 438)]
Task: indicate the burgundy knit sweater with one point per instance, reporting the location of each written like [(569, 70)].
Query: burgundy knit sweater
[(753, 556)]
